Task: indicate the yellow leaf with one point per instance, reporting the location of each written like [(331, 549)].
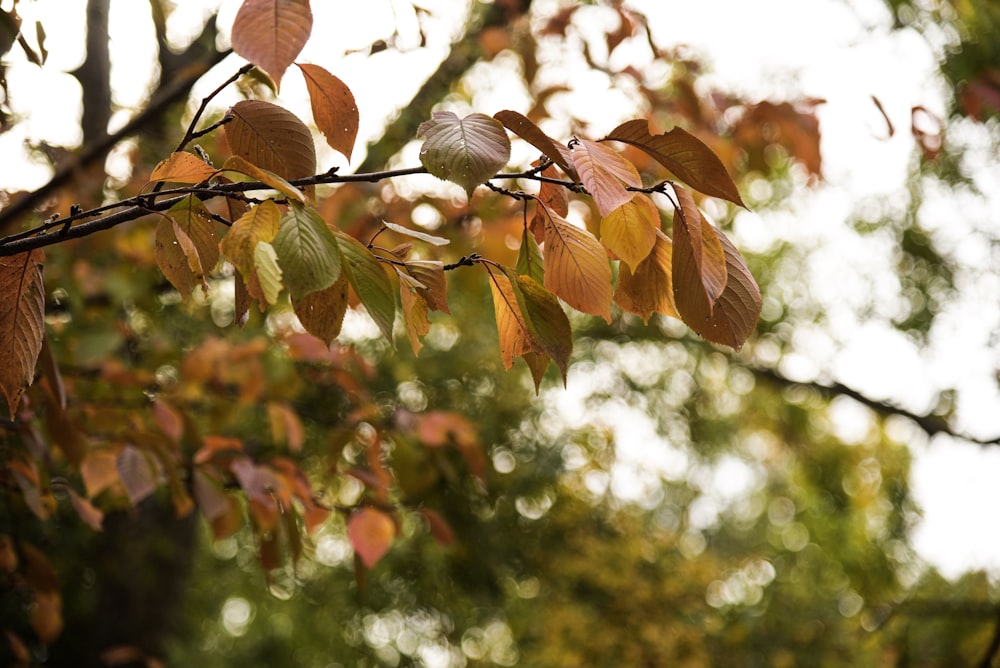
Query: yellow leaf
[(258, 224), (515, 340), (629, 231), (183, 167), (650, 289)]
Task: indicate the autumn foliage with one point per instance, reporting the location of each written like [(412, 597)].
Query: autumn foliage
[(651, 251)]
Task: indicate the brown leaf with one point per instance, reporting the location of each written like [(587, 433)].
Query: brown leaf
[(430, 273), (186, 246), (515, 339), (553, 196), (271, 33), (99, 471), (334, 109), (272, 138), (182, 167), (414, 311), (685, 155), (22, 322), (371, 533), (524, 128), (322, 312), (629, 231), (699, 264), (651, 288), (735, 315), (576, 267)]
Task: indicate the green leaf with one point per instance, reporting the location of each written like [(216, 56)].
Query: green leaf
[(370, 282), (529, 258), (545, 319), (466, 151), (268, 274), (307, 251)]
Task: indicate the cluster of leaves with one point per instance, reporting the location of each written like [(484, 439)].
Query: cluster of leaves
[(277, 241)]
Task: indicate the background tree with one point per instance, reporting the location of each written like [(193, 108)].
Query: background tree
[(368, 505)]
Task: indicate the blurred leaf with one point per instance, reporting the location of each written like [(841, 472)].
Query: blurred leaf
[(371, 533)]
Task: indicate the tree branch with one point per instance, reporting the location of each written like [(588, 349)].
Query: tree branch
[(929, 423)]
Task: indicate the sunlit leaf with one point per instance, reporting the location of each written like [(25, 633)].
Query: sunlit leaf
[(371, 533), (417, 234), (322, 312), (370, 282), (271, 138), (22, 322), (651, 288), (260, 223), (524, 128), (334, 109), (576, 267), (307, 252), (271, 33), (699, 264), (467, 151), (235, 163), (182, 167), (629, 231), (605, 173), (685, 155), (267, 272)]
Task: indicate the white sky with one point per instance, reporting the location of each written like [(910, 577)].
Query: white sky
[(767, 48)]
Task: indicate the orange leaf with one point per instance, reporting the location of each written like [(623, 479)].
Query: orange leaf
[(576, 267), (690, 159), (603, 172), (651, 288), (90, 515), (235, 163), (414, 311), (271, 33), (515, 339), (430, 273), (735, 315), (551, 195), (271, 138), (699, 261), (333, 107), (182, 167), (98, 471), (629, 231), (22, 322), (371, 533)]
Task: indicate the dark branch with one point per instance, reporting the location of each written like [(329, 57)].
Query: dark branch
[(930, 424)]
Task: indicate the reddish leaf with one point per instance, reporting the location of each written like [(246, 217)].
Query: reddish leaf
[(629, 231), (182, 167), (334, 109), (699, 264), (605, 173), (271, 33), (371, 533), (531, 133), (735, 315), (685, 155), (440, 428), (467, 151), (286, 427), (272, 138), (90, 515), (439, 527), (576, 267), (22, 322), (651, 288), (553, 196)]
